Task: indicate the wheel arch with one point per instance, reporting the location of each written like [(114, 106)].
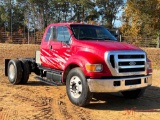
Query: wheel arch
[(67, 69)]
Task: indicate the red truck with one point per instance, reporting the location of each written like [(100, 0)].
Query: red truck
[(87, 59)]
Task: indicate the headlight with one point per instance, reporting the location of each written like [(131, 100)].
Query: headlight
[(94, 67)]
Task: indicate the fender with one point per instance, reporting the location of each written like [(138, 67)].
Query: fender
[(81, 59)]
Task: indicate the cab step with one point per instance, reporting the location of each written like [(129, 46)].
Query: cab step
[(48, 81)]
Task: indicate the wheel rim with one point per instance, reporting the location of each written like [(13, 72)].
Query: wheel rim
[(75, 87), (12, 72)]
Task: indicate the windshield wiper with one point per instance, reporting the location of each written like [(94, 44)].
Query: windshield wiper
[(91, 38), (87, 38), (104, 39)]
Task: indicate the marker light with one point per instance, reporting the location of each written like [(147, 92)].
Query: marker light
[(149, 65)]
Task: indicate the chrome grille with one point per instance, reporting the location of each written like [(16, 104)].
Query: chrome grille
[(126, 63)]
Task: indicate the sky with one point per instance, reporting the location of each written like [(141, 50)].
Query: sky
[(118, 23)]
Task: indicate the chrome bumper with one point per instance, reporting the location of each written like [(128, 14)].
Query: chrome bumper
[(119, 84)]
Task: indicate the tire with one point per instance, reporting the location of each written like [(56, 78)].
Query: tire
[(134, 93), (26, 71), (14, 71), (77, 87)]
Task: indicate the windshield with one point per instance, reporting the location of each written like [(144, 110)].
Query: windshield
[(91, 32)]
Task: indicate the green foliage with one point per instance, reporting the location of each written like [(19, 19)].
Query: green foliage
[(108, 10), (37, 14), (11, 15)]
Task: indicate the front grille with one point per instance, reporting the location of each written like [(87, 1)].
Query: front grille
[(112, 61), (128, 63), (123, 62), (130, 56)]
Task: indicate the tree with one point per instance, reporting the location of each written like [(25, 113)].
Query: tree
[(141, 18), (11, 14), (108, 10), (37, 14)]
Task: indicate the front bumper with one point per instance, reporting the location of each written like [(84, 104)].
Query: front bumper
[(119, 84)]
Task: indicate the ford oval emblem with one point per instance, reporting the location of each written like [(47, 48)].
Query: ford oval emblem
[(132, 63)]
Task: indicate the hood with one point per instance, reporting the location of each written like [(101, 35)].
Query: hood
[(108, 45)]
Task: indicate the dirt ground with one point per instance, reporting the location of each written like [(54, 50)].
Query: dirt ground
[(39, 101)]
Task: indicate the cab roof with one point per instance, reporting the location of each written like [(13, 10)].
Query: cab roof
[(69, 23)]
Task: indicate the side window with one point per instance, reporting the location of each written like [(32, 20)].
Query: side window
[(66, 34), (63, 34), (60, 36), (48, 35)]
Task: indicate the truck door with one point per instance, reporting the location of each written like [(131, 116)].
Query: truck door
[(45, 52), (60, 49)]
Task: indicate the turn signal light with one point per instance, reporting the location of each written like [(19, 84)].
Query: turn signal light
[(94, 67)]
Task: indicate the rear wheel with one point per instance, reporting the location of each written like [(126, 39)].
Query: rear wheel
[(77, 87), (26, 71), (134, 93), (14, 71)]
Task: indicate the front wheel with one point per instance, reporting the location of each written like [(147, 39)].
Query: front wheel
[(134, 93), (77, 87)]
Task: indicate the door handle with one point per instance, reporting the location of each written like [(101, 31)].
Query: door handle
[(50, 47), (68, 50)]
